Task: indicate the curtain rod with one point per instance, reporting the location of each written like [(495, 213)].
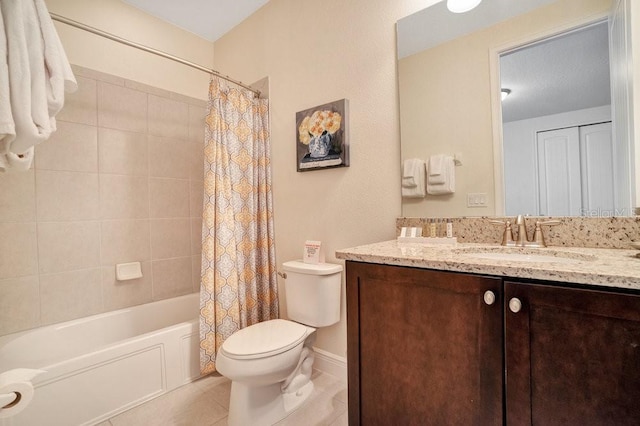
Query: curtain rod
[(114, 37)]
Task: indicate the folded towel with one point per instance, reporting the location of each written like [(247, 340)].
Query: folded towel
[(38, 75), (436, 169), (413, 178), (409, 170), (449, 184), (436, 165)]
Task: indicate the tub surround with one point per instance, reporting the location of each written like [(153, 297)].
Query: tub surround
[(120, 181)]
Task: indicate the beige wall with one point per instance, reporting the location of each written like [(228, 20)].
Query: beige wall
[(445, 100), (123, 20), (317, 52), (119, 181)]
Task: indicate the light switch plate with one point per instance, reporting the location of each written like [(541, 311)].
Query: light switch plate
[(477, 199)]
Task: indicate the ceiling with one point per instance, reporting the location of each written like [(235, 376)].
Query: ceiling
[(566, 73), (435, 25), (210, 19)]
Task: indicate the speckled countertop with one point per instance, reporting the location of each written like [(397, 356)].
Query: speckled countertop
[(619, 268)]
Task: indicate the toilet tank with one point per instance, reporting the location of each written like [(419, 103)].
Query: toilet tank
[(313, 292)]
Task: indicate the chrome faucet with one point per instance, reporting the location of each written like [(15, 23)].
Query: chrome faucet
[(522, 239)]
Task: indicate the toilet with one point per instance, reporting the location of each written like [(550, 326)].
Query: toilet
[(270, 363)]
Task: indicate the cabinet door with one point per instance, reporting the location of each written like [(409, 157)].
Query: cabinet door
[(423, 347), (572, 357)]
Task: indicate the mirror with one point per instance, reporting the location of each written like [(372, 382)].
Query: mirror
[(450, 104)]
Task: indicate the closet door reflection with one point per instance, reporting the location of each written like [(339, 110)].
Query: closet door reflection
[(558, 170), (575, 171), (597, 165)]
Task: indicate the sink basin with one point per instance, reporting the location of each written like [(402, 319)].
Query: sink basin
[(517, 254)]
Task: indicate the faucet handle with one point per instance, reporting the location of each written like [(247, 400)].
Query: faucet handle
[(538, 237), (507, 236)]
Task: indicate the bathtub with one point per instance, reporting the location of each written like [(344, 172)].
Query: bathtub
[(99, 366)]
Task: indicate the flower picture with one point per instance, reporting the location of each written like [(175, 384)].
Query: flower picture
[(322, 137)]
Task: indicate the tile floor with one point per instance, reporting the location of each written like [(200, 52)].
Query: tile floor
[(205, 403)]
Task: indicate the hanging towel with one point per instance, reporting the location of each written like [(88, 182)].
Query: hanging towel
[(7, 126), (38, 75), (449, 184), (413, 178), (436, 170), (11, 162)]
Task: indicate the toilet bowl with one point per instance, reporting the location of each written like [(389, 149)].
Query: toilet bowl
[(258, 373), (270, 363)]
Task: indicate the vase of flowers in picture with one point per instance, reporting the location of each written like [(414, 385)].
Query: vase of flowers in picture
[(317, 131)]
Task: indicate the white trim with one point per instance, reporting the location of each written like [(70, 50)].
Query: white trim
[(331, 364)]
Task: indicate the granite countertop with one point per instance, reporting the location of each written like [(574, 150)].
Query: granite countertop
[(619, 268)]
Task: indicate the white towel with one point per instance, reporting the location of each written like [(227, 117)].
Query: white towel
[(60, 76), (449, 185), (7, 126), (11, 162), (409, 170), (436, 169), (413, 178), (38, 74)]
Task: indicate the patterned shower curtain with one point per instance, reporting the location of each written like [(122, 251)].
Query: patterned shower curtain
[(238, 280)]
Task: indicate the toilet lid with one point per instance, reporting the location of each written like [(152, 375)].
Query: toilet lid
[(264, 339)]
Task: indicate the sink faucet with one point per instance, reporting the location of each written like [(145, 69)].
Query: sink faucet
[(522, 239)]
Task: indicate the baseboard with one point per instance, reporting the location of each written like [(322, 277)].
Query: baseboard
[(331, 364)]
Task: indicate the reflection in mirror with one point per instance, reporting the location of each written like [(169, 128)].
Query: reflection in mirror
[(557, 132), (450, 103)]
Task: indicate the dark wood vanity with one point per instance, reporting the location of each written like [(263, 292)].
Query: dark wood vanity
[(429, 347)]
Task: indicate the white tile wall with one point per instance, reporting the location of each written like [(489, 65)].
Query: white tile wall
[(123, 152), (18, 200), (67, 246), (121, 108), (120, 181)]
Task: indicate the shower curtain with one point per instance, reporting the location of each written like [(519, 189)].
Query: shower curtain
[(238, 278)]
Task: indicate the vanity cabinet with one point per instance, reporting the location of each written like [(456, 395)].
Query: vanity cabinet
[(429, 347), (572, 356), (423, 347)]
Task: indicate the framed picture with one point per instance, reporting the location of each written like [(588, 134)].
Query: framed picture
[(322, 137)]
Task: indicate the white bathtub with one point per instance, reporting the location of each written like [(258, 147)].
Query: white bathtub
[(104, 364)]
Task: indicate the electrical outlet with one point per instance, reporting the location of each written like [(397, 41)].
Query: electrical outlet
[(478, 199)]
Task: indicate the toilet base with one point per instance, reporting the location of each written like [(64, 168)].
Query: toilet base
[(295, 399), (264, 405)]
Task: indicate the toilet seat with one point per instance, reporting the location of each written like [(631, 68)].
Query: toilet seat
[(264, 339)]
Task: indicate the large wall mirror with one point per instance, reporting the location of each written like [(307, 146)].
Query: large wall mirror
[(558, 144)]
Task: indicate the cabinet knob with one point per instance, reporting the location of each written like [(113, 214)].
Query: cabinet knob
[(489, 297), (515, 305)]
